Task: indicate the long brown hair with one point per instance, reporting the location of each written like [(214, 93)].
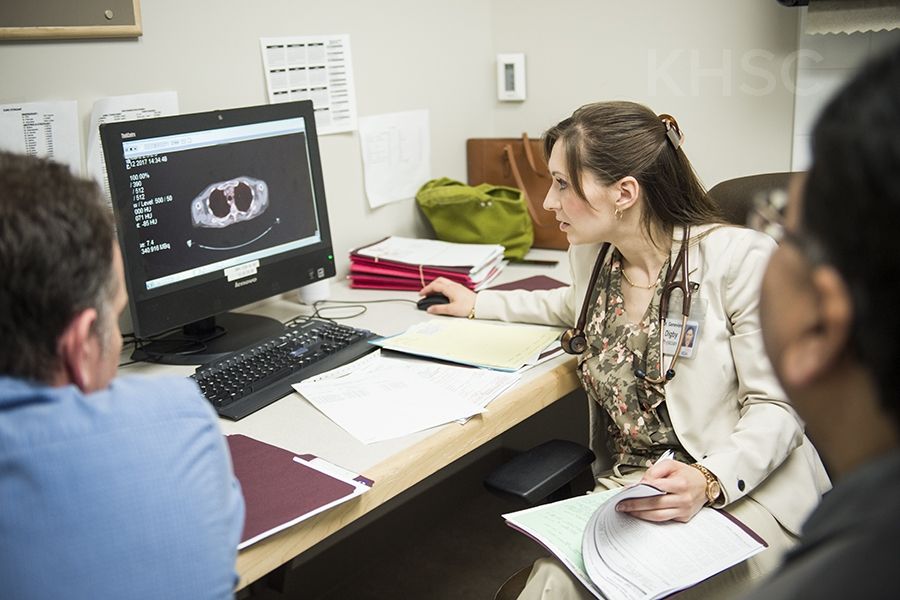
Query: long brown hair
[(612, 140)]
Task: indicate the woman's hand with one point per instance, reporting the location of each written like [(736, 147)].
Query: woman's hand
[(462, 299), (685, 495)]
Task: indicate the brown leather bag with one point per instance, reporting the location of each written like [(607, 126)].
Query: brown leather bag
[(518, 162)]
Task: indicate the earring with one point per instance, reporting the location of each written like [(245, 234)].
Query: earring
[(618, 214)]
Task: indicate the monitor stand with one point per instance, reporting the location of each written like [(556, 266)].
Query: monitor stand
[(207, 340)]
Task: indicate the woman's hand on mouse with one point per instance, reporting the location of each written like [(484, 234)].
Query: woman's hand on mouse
[(462, 299)]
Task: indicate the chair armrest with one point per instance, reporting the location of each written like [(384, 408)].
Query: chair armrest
[(537, 473)]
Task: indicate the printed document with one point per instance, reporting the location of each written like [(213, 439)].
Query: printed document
[(620, 557), (559, 527), (317, 68), (376, 398), (46, 129), (396, 152)]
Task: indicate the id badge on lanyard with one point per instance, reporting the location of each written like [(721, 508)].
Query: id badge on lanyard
[(692, 329)]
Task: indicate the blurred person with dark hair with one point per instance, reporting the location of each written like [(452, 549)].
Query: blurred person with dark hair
[(831, 325), (109, 488)]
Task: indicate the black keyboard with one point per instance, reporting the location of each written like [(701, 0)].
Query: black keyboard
[(258, 375)]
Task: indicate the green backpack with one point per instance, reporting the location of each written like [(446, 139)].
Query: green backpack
[(481, 214)]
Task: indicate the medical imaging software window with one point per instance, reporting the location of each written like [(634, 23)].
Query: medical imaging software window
[(208, 201)]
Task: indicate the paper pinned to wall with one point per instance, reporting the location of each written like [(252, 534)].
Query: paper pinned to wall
[(47, 129), (396, 152), (122, 108), (317, 68)]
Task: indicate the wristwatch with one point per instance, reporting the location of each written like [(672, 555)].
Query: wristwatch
[(713, 489)]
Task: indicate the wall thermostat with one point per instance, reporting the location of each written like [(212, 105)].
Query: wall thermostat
[(511, 77)]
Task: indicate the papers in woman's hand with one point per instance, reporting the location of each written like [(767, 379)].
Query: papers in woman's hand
[(620, 557), (559, 527), (377, 398), (642, 559)]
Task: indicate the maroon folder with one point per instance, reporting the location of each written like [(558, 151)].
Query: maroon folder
[(537, 282), (280, 491)]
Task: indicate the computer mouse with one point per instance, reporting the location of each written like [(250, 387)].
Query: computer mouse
[(431, 300)]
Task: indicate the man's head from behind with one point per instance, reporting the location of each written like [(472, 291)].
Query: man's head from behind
[(831, 293), (62, 288)]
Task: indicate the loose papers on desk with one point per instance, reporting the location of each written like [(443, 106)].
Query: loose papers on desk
[(281, 488), (488, 344), (376, 398), (620, 557), (398, 263)]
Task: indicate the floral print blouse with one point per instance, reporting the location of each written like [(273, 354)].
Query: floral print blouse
[(639, 428)]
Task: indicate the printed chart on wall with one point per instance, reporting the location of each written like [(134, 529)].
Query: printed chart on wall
[(48, 129), (316, 68)]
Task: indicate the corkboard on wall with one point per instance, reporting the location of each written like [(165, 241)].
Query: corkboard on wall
[(45, 19)]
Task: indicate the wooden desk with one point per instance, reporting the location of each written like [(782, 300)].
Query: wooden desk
[(394, 465)]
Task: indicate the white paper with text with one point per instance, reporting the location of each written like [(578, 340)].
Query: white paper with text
[(317, 68), (396, 152), (45, 129)]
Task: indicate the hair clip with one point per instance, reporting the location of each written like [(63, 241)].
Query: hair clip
[(673, 132)]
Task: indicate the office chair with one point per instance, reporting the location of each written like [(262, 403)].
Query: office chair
[(735, 196), (554, 470)]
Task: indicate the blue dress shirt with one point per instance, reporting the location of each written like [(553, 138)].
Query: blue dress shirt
[(123, 493)]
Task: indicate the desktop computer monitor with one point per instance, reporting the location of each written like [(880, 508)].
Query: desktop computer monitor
[(215, 211)]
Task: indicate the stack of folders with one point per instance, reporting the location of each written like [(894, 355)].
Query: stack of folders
[(398, 263)]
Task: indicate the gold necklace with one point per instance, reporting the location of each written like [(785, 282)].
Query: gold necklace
[(633, 284)]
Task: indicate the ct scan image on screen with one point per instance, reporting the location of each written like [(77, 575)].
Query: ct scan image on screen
[(207, 201), (226, 202)]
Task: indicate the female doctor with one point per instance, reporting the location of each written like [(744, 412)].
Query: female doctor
[(650, 257)]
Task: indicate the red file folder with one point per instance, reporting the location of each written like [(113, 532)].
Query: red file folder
[(369, 266), (381, 273), (386, 280), (280, 491), (385, 283)]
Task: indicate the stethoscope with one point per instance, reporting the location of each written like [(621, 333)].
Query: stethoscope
[(574, 340)]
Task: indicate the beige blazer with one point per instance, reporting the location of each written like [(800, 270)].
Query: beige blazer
[(726, 406)]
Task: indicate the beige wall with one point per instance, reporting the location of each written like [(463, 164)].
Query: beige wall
[(723, 68), (708, 62), (407, 54), (825, 64)]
